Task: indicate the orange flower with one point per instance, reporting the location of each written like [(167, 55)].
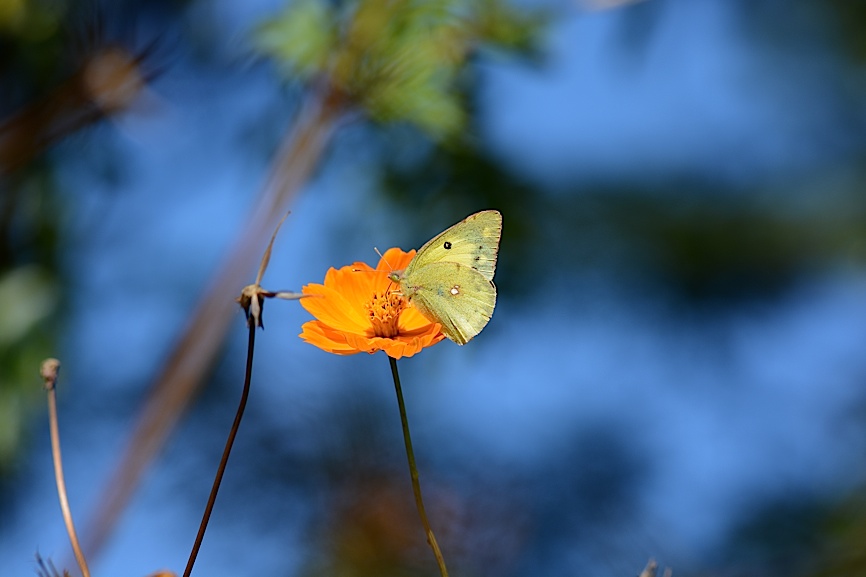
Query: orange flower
[(359, 310)]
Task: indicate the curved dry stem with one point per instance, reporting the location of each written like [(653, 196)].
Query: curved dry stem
[(251, 343), (49, 370), (180, 378)]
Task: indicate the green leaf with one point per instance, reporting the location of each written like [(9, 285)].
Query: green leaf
[(399, 59), (302, 38)]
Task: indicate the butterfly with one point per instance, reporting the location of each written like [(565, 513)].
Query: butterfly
[(450, 280)]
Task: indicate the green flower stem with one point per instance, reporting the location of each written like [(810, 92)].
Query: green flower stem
[(413, 471)]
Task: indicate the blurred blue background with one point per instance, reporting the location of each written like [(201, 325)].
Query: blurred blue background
[(675, 367)]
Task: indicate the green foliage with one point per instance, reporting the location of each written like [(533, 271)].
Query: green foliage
[(29, 298), (400, 60), (501, 24), (402, 66), (29, 20), (301, 38)]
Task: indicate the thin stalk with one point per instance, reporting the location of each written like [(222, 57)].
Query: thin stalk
[(228, 449), (413, 471), (49, 374), (180, 378)]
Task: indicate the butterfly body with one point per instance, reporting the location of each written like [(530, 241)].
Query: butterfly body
[(450, 280)]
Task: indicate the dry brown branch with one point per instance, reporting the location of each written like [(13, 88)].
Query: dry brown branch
[(48, 371), (183, 373)]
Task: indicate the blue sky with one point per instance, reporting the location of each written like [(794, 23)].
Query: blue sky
[(721, 409)]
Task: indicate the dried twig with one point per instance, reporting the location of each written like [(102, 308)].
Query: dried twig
[(182, 375), (49, 370), (251, 300)]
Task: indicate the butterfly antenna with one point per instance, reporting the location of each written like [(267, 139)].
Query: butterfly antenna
[(381, 256), (375, 269), (390, 267)]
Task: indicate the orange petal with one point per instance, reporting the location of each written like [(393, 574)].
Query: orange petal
[(363, 344), (327, 339), (411, 320), (395, 259), (332, 308), (359, 285), (393, 347)]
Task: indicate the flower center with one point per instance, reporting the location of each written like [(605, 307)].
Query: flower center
[(384, 310)]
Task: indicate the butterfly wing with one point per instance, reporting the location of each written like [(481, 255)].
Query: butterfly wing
[(473, 242), (458, 297)]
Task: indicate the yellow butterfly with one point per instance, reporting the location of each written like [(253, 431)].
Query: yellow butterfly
[(450, 280)]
